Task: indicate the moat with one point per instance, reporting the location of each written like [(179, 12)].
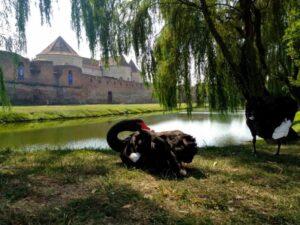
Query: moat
[(208, 129)]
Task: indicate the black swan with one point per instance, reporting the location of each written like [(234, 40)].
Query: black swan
[(270, 118), (152, 150)]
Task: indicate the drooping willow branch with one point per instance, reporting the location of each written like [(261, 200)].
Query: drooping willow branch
[(245, 49), (4, 99)]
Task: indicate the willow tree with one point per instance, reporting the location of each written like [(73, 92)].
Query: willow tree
[(14, 40), (235, 49)]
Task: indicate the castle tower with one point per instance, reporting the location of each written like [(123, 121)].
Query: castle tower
[(135, 72), (60, 53)]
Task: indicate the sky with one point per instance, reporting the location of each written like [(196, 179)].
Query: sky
[(40, 36)]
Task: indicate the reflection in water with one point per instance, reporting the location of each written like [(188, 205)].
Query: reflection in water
[(208, 129), (210, 132)]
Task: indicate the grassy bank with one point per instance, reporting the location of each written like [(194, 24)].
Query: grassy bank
[(225, 186), (42, 113), (38, 113)]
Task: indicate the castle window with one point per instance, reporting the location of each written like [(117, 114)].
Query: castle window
[(70, 77), (21, 71)]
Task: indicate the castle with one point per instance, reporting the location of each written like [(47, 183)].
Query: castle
[(58, 75)]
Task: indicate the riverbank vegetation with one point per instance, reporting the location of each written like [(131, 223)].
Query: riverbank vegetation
[(225, 185), (39, 113)]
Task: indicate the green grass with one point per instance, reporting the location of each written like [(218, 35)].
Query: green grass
[(38, 113), (37, 125), (225, 186)]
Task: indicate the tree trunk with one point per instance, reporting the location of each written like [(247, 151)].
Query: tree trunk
[(247, 72), (254, 80)]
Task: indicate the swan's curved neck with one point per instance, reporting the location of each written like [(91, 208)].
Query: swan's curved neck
[(112, 136)]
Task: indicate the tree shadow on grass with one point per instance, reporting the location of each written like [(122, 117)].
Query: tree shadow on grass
[(5, 154), (168, 174), (196, 173), (110, 203), (51, 156), (242, 154), (265, 169), (258, 216), (239, 155), (114, 204), (16, 180)]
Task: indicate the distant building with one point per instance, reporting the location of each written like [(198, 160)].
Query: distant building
[(58, 75)]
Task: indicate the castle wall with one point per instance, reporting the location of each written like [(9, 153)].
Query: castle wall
[(7, 62), (122, 91), (45, 83), (39, 72), (137, 77), (118, 72), (58, 59), (92, 71), (92, 67)]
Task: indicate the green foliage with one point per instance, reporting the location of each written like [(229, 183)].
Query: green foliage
[(201, 95), (292, 38), (234, 48), (103, 27), (22, 12), (166, 78), (222, 94), (173, 54), (141, 28), (17, 42), (45, 10), (4, 100)]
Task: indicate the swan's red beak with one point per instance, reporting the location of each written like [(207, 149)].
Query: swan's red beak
[(144, 126)]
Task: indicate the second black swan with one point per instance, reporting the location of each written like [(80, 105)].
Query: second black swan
[(271, 118)]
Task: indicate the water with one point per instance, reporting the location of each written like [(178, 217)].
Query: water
[(209, 130)]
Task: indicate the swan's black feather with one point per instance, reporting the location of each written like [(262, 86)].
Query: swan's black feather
[(159, 150), (265, 114)]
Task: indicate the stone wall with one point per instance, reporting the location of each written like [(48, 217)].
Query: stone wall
[(118, 72), (57, 59), (45, 83), (92, 70), (137, 77)]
